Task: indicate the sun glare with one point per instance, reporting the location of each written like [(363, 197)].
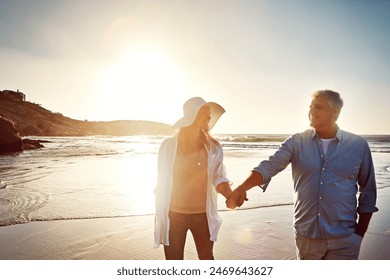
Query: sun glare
[(142, 80), (129, 179)]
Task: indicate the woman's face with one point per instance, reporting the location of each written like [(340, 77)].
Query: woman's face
[(203, 118)]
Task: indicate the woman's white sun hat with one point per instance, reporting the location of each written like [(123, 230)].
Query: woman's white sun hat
[(191, 108)]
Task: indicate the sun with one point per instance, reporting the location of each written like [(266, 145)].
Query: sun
[(142, 81)]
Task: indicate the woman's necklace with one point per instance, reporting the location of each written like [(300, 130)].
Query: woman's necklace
[(196, 157), (200, 157)]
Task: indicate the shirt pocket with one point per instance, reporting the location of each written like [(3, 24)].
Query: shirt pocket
[(347, 169)]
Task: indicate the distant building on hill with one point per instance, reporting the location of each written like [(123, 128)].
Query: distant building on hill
[(18, 95)]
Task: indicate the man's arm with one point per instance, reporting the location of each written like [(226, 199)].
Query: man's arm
[(368, 192), (254, 179), (238, 196), (362, 224)]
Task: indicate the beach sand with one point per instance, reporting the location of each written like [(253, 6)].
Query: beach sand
[(245, 234), (253, 234)]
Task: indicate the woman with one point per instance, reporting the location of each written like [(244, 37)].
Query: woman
[(190, 175)]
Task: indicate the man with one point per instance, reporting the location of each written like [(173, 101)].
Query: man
[(329, 167)]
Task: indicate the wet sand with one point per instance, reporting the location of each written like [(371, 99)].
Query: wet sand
[(253, 234)]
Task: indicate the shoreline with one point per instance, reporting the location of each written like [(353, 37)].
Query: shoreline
[(248, 234)]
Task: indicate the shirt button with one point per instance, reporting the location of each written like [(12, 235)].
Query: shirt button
[(319, 214), (320, 197), (321, 183), (323, 168)]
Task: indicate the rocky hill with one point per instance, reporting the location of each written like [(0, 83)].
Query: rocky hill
[(32, 119)]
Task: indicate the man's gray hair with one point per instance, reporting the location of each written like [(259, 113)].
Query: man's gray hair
[(333, 97)]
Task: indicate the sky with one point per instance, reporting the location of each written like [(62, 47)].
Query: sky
[(104, 60)]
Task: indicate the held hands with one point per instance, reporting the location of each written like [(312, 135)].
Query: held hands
[(236, 198)]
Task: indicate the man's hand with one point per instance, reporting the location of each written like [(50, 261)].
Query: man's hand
[(236, 199)]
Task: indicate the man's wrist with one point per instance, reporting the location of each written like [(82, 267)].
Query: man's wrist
[(359, 231), (241, 188)]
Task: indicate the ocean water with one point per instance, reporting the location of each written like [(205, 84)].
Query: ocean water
[(103, 177)]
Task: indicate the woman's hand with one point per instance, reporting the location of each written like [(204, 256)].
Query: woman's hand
[(235, 199)]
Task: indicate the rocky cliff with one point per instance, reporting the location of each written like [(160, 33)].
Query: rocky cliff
[(10, 141), (32, 119)]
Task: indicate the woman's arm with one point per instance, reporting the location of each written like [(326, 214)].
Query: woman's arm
[(224, 189)]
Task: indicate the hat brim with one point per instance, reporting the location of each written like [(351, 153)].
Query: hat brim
[(216, 112)]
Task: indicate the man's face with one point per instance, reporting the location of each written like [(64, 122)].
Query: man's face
[(320, 114)]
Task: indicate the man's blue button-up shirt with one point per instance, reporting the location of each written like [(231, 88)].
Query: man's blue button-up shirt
[(326, 185)]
